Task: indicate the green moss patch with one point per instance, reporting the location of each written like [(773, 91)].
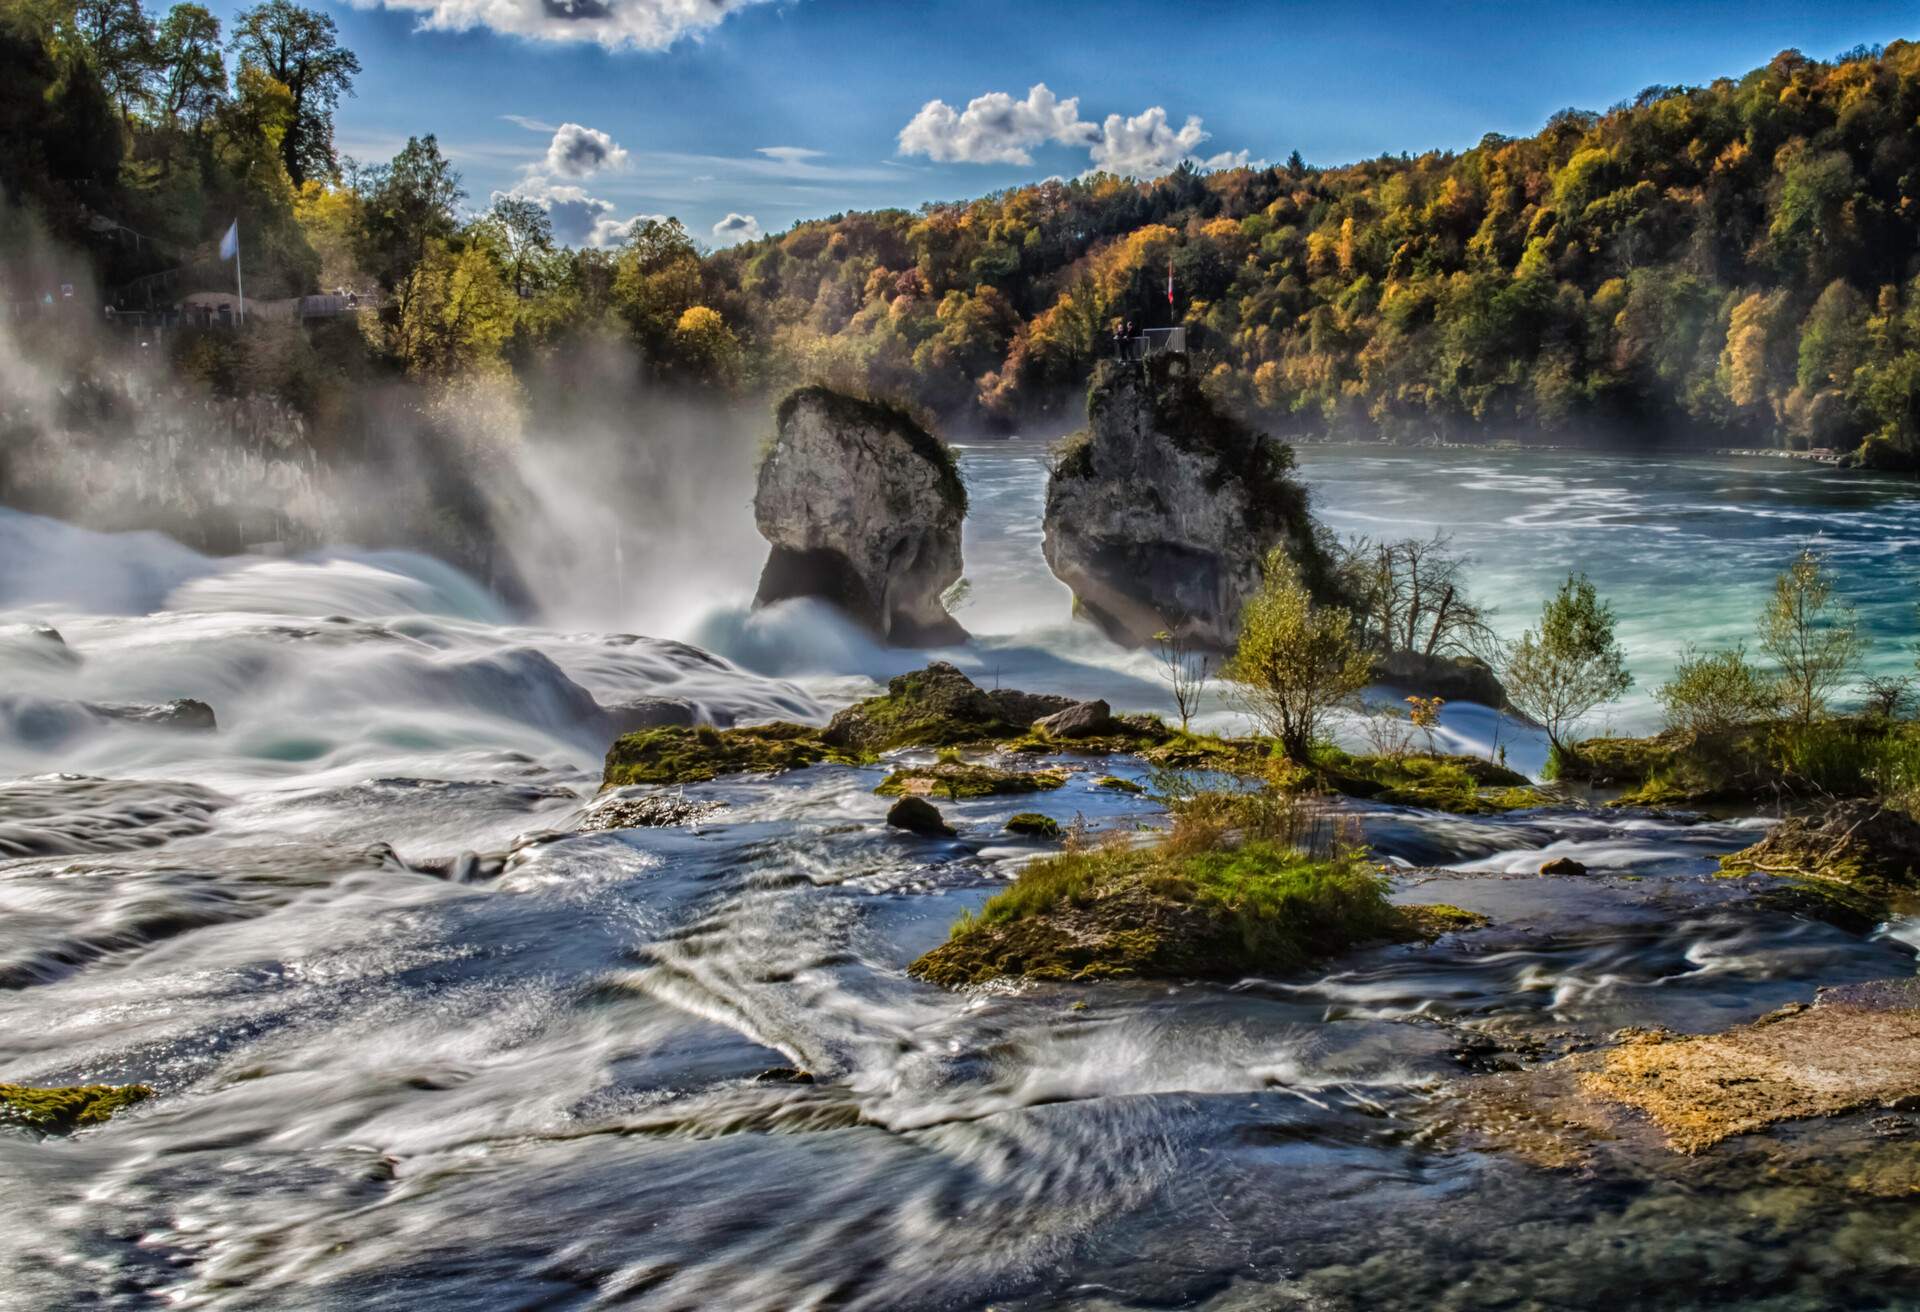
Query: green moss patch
[(68, 1108), (959, 779), (1164, 912), (1463, 785), (1249, 757), (1115, 783), (1431, 920), (677, 755)]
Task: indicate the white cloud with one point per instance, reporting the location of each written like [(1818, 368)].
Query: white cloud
[(530, 124), (1231, 159), (578, 218), (995, 128), (789, 154), (580, 152), (611, 232), (736, 228), (616, 24), (1145, 146)]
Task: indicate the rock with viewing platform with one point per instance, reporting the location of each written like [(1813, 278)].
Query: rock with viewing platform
[(1160, 514)]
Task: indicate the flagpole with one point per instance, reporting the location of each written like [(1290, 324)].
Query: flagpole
[(239, 284)]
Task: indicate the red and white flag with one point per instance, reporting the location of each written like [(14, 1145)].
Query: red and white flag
[(1169, 282)]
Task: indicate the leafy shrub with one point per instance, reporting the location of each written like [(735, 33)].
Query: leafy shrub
[(1710, 691)]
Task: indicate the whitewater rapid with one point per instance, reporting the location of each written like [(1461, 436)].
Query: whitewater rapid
[(420, 1040)]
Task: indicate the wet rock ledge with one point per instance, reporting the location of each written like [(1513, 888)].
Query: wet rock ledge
[(1856, 1048)]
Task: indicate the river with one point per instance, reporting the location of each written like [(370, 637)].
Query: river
[(420, 1043)]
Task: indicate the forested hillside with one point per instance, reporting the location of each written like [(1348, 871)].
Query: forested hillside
[(1729, 264), (1733, 262)]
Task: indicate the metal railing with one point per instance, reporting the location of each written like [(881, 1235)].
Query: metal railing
[(1151, 342)]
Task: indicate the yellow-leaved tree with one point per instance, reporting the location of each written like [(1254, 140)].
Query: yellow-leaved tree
[(1295, 662)]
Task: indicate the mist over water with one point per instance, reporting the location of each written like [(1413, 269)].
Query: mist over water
[(419, 1042)]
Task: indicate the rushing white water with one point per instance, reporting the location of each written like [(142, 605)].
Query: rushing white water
[(418, 1042)]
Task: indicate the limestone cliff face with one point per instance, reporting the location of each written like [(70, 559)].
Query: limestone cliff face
[(1160, 514), (863, 508)]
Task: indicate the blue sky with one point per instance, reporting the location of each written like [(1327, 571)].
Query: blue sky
[(674, 102)]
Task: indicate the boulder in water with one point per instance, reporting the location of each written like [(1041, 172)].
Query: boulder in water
[(37, 644), (1161, 514), (917, 815), (1562, 865), (1081, 720), (181, 713), (863, 507), (958, 779), (1031, 824)]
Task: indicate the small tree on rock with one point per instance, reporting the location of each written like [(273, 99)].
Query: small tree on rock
[(1295, 662), (1560, 672)]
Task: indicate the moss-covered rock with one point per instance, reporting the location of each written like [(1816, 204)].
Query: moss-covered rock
[(1114, 783), (938, 706), (1848, 863), (1031, 824), (67, 1108), (1432, 920), (675, 755), (1851, 757), (1463, 785), (962, 779), (1164, 912), (1853, 842)]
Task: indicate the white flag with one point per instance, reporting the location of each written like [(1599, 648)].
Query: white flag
[(230, 244)]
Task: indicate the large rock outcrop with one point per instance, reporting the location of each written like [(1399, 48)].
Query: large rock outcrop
[(1160, 514), (863, 507)]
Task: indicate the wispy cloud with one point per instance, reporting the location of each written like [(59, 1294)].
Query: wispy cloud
[(789, 154), (530, 124)]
